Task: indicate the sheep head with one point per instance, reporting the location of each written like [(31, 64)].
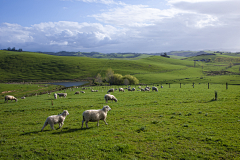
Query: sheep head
[(106, 108), (65, 113)]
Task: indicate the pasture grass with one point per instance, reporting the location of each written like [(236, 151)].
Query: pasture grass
[(25, 89), (174, 123)]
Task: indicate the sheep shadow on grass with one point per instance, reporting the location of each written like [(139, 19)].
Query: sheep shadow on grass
[(66, 130), (29, 133)]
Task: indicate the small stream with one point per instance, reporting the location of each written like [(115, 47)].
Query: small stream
[(69, 84)]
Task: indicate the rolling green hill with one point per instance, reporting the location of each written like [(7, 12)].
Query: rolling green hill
[(29, 66)]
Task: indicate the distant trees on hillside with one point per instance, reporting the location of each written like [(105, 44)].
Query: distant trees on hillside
[(165, 55), (13, 49), (117, 79)]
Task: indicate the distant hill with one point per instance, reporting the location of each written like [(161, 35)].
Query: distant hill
[(30, 66)]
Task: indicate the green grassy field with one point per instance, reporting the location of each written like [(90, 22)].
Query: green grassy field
[(28, 66), (174, 123)]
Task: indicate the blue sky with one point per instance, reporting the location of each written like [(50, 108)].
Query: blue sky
[(110, 26)]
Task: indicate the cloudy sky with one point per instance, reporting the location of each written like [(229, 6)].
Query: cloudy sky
[(111, 26)]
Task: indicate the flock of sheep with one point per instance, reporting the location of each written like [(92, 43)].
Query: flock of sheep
[(88, 115)]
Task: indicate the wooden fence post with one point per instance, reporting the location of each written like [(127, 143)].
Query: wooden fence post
[(208, 85), (193, 85), (226, 85), (169, 85), (180, 85)]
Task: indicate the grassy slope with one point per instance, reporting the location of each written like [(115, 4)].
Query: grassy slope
[(174, 123), (153, 69)]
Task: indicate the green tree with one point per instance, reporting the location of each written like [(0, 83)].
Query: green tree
[(99, 78), (109, 74), (116, 79), (126, 82), (132, 80)]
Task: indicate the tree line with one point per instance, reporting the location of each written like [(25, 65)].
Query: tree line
[(115, 79)]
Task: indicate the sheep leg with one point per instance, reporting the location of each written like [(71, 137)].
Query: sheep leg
[(60, 125), (98, 123), (52, 126), (86, 124), (45, 124), (82, 123), (105, 121)]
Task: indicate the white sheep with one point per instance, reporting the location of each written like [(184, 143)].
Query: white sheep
[(55, 95), (62, 95), (110, 90), (121, 89), (77, 92), (9, 97), (56, 119), (110, 97), (23, 97), (133, 89), (95, 115), (147, 89), (82, 92), (154, 89)]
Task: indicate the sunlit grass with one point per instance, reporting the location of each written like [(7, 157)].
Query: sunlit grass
[(174, 123)]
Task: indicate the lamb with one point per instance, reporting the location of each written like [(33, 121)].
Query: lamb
[(121, 89), (9, 97), (154, 89), (110, 90), (95, 115), (77, 92), (23, 97), (110, 97), (94, 90), (82, 92), (55, 95), (56, 119), (62, 95)]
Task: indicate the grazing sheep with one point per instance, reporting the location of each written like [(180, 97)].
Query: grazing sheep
[(77, 92), (23, 97), (110, 97), (147, 89), (129, 89), (121, 89), (56, 119), (9, 97), (133, 89), (110, 90), (161, 86), (143, 90), (95, 115), (62, 95), (55, 95), (154, 89), (94, 90), (82, 92)]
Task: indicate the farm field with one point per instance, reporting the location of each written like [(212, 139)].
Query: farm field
[(173, 123)]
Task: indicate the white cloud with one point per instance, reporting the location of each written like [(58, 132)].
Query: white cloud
[(186, 25), (135, 15)]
